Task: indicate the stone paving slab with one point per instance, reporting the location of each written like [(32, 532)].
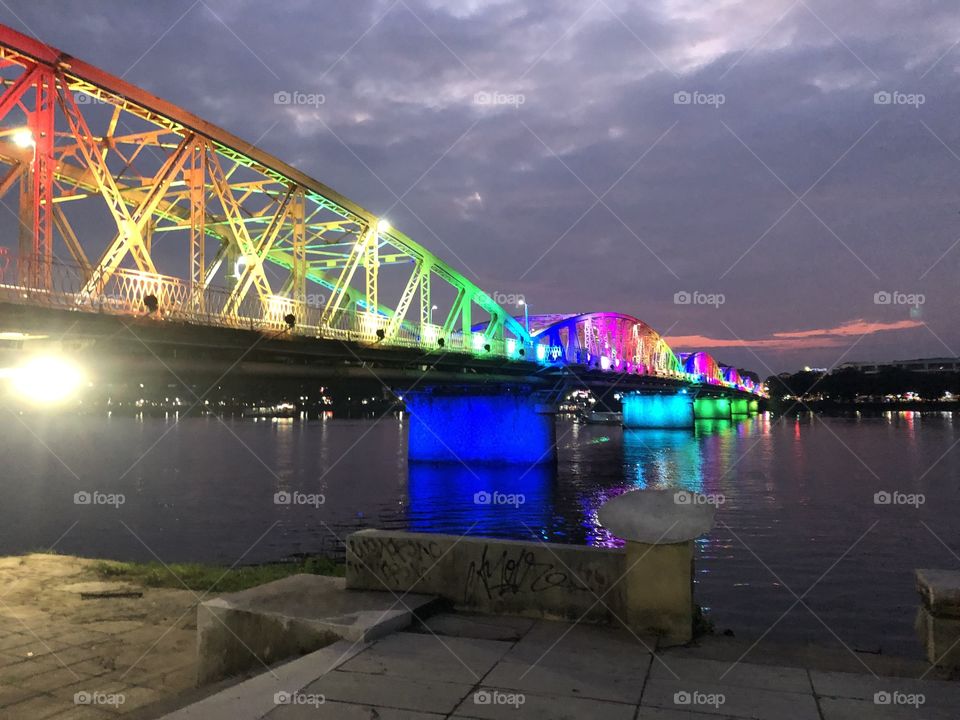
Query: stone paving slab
[(739, 702), (699, 670), (472, 625), (541, 707), (553, 678), (423, 694), (579, 673), (344, 711), (937, 693), (848, 709), (451, 659)]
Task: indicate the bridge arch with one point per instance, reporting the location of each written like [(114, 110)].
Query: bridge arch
[(605, 341)]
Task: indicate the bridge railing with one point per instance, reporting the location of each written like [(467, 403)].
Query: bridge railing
[(66, 286), (128, 292)]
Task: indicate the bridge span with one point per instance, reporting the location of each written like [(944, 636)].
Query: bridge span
[(133, 214)]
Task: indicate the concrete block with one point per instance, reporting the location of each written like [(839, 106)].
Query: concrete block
[(940, 637), (489, 575), (940, 591), (938, 619), (253, 699), (659, 591), (296, 615)]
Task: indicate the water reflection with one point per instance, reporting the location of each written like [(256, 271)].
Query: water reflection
[(559, 503), (493, 500)]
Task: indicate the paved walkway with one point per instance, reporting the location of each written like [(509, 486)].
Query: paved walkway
[(491, 668), (58, 649)]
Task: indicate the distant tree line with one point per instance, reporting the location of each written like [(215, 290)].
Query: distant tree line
[(849, 384)]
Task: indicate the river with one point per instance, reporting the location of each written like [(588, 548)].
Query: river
[(800, 515)]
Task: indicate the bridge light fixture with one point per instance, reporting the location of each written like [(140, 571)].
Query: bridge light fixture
[(290, 319), (151, 303), (23, 137), (383, 225), (440, 342)]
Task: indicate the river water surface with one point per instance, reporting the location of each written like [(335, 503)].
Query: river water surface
[(800, 513)]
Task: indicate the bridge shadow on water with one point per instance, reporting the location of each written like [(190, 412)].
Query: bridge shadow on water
[(558, 502)]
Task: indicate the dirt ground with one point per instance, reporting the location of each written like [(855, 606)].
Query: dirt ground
[(66, 656)]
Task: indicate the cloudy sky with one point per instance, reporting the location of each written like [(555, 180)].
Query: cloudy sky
[(774, 180)]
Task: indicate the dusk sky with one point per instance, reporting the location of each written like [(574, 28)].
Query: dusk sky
[(774, 181)]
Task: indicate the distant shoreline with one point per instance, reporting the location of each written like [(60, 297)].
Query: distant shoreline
[(839, 407)]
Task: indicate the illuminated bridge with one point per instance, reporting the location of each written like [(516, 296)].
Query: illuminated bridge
[(128, 212)]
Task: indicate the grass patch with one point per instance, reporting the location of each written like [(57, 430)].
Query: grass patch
[(214, 578)]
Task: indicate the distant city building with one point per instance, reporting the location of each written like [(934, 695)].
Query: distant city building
[(928, 365)]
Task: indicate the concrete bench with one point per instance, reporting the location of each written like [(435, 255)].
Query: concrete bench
[(290, 617), (938, 620)]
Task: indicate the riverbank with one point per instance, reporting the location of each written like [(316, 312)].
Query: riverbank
[(72, 629)]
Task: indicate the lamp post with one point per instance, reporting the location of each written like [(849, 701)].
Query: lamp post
[(432, 308), (526, 315)]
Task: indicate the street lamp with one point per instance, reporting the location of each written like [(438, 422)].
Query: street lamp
[(432, 308), (526, 315)]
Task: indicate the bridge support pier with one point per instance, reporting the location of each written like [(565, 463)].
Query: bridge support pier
[(712, 408), (657, 411), (739, 406), (471, 426)]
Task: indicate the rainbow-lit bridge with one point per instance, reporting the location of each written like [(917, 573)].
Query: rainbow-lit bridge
[(126, 209)]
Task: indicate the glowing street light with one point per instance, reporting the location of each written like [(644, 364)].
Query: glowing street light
[(23, 137), (45, 379), (432, 308), (526, 315), (383, 225)]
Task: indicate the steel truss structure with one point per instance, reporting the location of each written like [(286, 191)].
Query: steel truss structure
[(128, 204)]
